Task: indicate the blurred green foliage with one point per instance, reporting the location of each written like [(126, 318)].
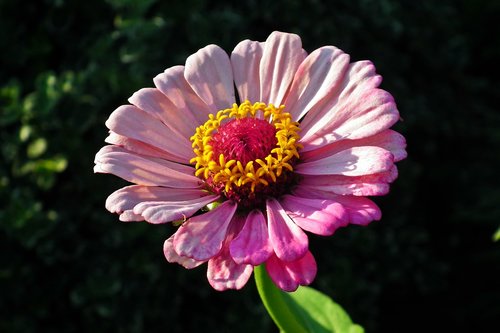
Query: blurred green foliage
[(67, 265)]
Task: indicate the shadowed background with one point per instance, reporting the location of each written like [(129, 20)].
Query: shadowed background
[(67, 265)]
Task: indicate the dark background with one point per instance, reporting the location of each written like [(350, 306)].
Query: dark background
[(67, 265)]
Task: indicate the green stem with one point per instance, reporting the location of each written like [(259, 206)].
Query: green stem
[(273, 299)]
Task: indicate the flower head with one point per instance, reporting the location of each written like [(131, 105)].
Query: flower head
[(245, 174)]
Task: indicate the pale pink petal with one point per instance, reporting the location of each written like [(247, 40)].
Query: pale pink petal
[(167, 211), (252, 245), (281, 58), (130, 216), (128, 197), (223, 273), (289, 275), (374, 184), (360, 76), (173, 257), (134, 123), (156, 104), (355, 161), (245, 60), (288, 240), (143, 170), (319, 216), (141, 148), (361, 209), (125, 199), (358, 111), (209, 73), (201, 237), (318, 77), (388, 139), (190, 111), (357, 187), (366, 114)]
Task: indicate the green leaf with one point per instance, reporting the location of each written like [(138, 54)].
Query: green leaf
[(320, 313), (25, 132), (37, 148), (305, 310), (496, 235)]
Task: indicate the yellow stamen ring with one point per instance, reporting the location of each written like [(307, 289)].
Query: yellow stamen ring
[(253, 173)]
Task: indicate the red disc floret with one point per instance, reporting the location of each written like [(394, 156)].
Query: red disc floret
[(244, 140)]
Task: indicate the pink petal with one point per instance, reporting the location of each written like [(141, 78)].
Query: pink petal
[(134, 123), (201, 237), (209, 73), (223, 272), (128, 197), (360, 76), (388, 139), (288, 240), (141, 148), (252, 245), (366, 114), (245, 60), (156, 104), (318, 216), (167, 211), (173, 257), (144, 170), (124, 200), (358, 110), (318, 77), (374, 184), (130, 216), (356, 161), (281, 58), (190, 111), (289, 275), (361, 210)]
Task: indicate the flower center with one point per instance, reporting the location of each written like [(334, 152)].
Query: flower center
[(247, 152), (244, 140)]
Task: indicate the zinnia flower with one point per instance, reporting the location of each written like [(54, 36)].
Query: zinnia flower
[(245, 174)]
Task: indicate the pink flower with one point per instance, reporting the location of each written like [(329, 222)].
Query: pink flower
[(296, 148)]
